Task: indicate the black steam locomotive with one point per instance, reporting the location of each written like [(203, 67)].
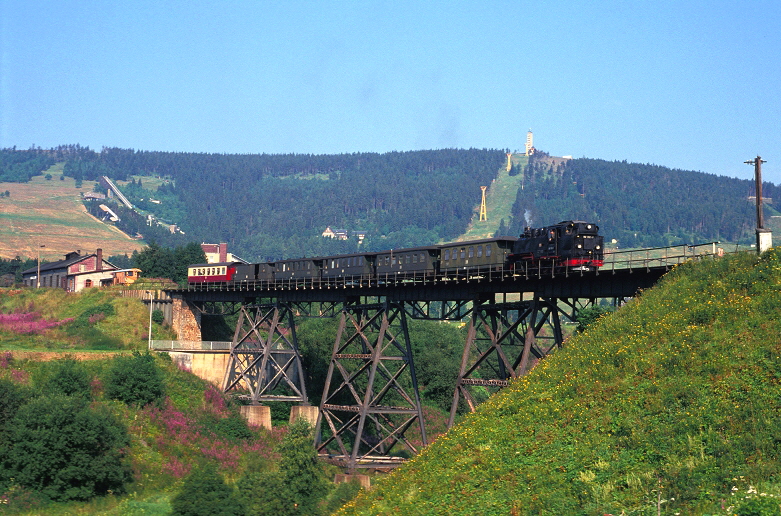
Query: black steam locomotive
[(566, 246), (573, 244)]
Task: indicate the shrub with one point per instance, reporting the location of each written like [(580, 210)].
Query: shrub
[(303, 474), (158, 317), (233, 427), (342, 494), (759, 506), (66, 376), (65, 450), (11, 398), (205, 493), (135, 380), (589, 316), (265, 492)]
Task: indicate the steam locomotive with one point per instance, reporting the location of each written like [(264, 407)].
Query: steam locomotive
[(566, 246)]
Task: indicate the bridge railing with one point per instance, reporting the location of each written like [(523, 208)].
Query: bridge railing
[(659, 256), (613, 260), (187, 345)]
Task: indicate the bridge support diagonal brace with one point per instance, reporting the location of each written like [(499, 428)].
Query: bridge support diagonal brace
[(501, 341), (370, 401), (264, 359)]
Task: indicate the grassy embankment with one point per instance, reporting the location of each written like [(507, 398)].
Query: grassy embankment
[(50, 213), (668, 406), (195, 426), (92, 320)]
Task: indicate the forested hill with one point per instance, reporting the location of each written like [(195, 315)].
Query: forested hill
[(276, 206), (639, 205)]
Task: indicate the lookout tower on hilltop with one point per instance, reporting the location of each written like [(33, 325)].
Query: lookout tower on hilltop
[(529, 143)]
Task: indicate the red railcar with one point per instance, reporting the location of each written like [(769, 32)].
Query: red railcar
[(211, 272)]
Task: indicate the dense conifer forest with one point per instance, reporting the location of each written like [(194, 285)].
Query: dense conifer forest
[(637, 204), (276, 206)]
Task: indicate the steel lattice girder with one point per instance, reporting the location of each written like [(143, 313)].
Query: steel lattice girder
[(218, 307), (371, 395), (438, 310), (499, 347), (264, 355)]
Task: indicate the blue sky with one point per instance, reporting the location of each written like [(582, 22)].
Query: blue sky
[(693, 85)]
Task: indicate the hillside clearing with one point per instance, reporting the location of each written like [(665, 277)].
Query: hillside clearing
[(50, 213)]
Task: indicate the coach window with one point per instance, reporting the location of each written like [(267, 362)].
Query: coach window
[(488, 250), (406, 259), (479, 251), (471, 252), (415, 258), (447, 255), (463, 253)]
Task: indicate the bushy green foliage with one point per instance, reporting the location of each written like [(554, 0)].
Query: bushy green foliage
[(342, 494), (437, 349), (668, 399), (135, 380), (15, 266), (758, 506), (303, 475), (205, 493), (18, 166), (158, 317), (161, 262), (264, 493), (299, 487), (65, 376), (589, 316), (233, 427), (12, 396), (65, 450)]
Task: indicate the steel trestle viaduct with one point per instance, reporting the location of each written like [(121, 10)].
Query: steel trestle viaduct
[(370, 414)]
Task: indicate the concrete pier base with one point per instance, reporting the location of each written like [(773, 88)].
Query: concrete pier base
[(257, 415), (307, 412), (364, 480)]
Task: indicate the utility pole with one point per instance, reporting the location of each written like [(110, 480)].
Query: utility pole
[(151, 297), (764, 236), (38, 277)]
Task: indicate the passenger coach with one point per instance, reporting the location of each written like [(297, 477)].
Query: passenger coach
[(476, 256), (211, 272)]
